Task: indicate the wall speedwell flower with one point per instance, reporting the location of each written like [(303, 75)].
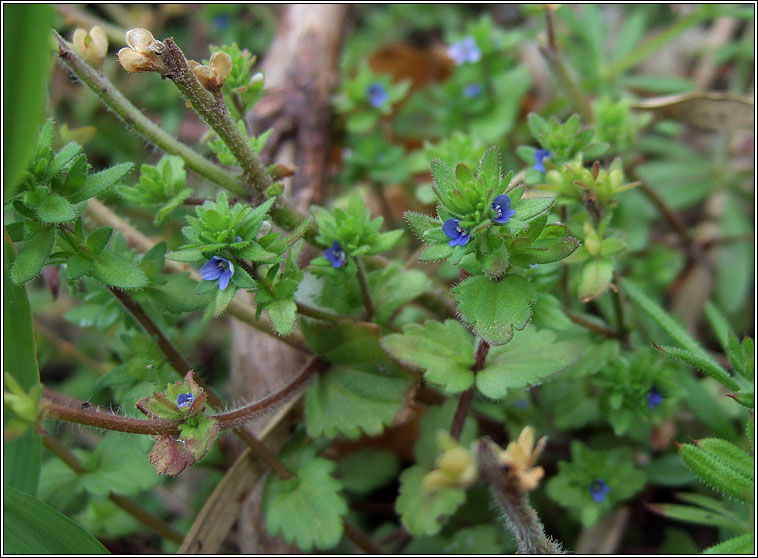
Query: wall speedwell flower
[(377, 94), (539, 156), (654, 398), (184, 400), (335, 254), (218, 268), (465, 51), (502, 208), (457, 235), (599, 489)]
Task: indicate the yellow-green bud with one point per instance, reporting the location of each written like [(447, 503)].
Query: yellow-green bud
[(92, 46)]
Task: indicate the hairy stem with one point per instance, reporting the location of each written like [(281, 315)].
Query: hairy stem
[(93, 416), (464, 402), (591, 325), (214, 111), (152, 522), (239, 416), (133, 117), (178, 362), (513, 501)]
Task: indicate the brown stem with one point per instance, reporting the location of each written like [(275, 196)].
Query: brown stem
[(152, 522), (368, 303), (671, 216), (214, 111), (464, 402), (92, 416), (589, 324), (361, 540), (177, 361), (239, 416)]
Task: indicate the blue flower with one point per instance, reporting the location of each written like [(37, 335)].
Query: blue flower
[(184, 400), (654, 398), (502, 208), (377, 94), (218, 268), (465, 51), (539, 156), (458, 236), (598, 490), (335, 254), (472, 90)]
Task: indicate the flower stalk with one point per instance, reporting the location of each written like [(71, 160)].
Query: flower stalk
[(512, 499)]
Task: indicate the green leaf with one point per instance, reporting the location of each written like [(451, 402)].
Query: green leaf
[(719, 324), (63, 157), (691, 514), (444, 351), (732, 456), (743, 544), (119, 464), (22, 456), (664, 320), (435, 252), (716, 473), (421, 224), (529, 358), (595, 279), (708, 366), (391, 288), (98, 183), (98, 239), (495, 308), (344, 343), (117, 271), (366, 470), (308, 509), (33, 256), (26, 65), (668, 470), (190, 255), (31, 527), (544, 251), (530, 208), (443, 176), (349, 400), (281, 312), (55, 209), (422, 512)]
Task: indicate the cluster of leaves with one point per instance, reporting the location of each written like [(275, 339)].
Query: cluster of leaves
[(537, 262)]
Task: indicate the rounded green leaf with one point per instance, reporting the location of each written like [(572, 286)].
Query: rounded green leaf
[(495, 308), (444, 351), (33, 256), (528, 359)]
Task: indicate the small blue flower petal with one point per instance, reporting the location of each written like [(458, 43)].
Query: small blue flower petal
[(335, 254), (502, 208), (654, 398), (184, 400), (472, 90), (218, 268), (539, 156), (599, 489), (465, 51), (457, 235), (377, 94)]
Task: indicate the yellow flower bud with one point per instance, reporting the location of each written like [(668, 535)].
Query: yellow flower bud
[(221, 64), (99, 41), (92, 46), (133, 61), (139, 39)]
